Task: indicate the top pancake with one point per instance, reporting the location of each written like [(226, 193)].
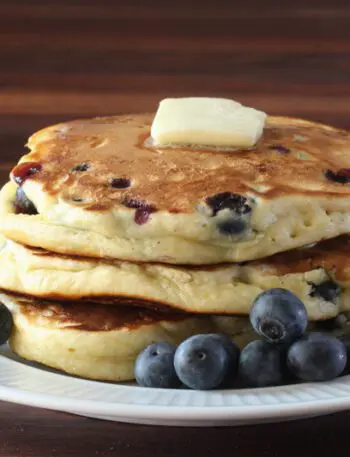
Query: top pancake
[(103, 190), (117, 147)]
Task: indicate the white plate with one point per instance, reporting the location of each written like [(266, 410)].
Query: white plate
[(32, 385)]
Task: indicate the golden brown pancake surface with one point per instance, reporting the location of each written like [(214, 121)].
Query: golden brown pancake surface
[(82, 159), (95, 316)]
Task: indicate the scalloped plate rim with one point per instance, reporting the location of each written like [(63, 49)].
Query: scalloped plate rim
[(174, 414)]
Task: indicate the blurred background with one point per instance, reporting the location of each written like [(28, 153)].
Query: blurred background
[(75, 58)]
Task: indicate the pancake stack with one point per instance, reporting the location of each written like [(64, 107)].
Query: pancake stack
[(110, 243)]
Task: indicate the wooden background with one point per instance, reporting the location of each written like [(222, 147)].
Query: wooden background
[(71, 58)]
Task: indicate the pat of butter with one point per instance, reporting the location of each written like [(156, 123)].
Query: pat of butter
[(205, 121)]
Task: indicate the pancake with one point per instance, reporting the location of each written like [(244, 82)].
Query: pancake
[(100, 342), (102, 190), (319, 275)]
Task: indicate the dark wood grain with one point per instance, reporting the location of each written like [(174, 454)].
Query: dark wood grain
[(75, 58), (67, 59), (32, 433)]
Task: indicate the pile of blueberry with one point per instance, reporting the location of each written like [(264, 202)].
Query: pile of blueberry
[(284, 353)]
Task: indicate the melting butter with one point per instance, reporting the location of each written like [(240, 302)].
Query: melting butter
[(203, 121)]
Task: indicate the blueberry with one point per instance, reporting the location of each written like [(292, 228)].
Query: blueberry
[(231, 348), (25, 170), (261, 365), (278, 316), (143, 209), (154, 366), (23, 204), (120, 183), (234, 353), (337, 323), (280, 148), (81, 167), (232, 227), (317, 357), (341, 321), (227, 200), (130, 202), (202, 362), (327, 290), (341, 176), (345, 339), (142, 216), (6, 324)]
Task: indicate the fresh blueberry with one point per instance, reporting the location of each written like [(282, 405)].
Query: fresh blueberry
[(23, 204), (261, 365), (336, 323), (6, 324), (278, 316), (202, 362), (154, 366), (234, 352), (317, 357), (345, 339), (231, 348)]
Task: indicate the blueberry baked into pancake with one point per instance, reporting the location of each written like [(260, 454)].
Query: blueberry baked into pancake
[(106, 188), (206, 245)]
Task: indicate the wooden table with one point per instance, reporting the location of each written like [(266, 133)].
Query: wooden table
[(72, 58), (32, 433)]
